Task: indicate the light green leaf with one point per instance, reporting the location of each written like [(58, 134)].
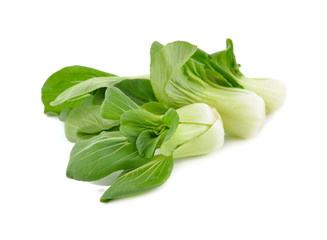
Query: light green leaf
[(97, 157), (164, 65), (272, 91), (85, 122), (155, 47), (210, 140), (62, 80), (115, 104), (185, 132), (146, 177), (86, 87), (195, 120), (64, 114)]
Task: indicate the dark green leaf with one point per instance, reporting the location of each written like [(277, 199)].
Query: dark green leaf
[(138, 90), (223, 74), (148, 141), (226, 59), (224, 62), (99, 96), (62, 80), (216, 78), (155, 108), (146, 177)]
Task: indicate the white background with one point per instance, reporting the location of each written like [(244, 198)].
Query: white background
[(272, 186)]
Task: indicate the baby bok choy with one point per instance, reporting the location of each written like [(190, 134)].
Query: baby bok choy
[(191, 130), (178, 80), (223, 64), (180, 132), (137, 125)]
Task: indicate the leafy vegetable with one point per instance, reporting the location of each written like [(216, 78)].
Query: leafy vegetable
[(178, 80), (85, 122), (200, 131), (145, 177), (62, 80), (155, 108), (127, 95), (98, 96), (116, 103), (155, 47), (137, 125), (138, 90), (152, 126), (97, 157), (84, 88), (272, 91), (148, 130)]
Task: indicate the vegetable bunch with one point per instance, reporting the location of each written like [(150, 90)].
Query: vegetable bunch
[(138, 125)]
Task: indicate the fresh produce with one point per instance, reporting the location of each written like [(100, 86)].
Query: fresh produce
[(221, 69), (139, 124), (179, 80)]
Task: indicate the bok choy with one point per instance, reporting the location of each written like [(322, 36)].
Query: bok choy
[(223, 63), (138, 125), (178, 80)]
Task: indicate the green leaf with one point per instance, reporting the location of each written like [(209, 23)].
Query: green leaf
[(85, 122), (62, 80), (115, 104), (146, 177), (217, 78), (171, 119), (166, 62), (97, 157), (138, 90), (85, 88), (148, 130), (64, 114), (226, 60), (148, 141), (222, 63), (135, 121), (155, 47), (177, 84), (99, 96), (155, 108), (272, 91)]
